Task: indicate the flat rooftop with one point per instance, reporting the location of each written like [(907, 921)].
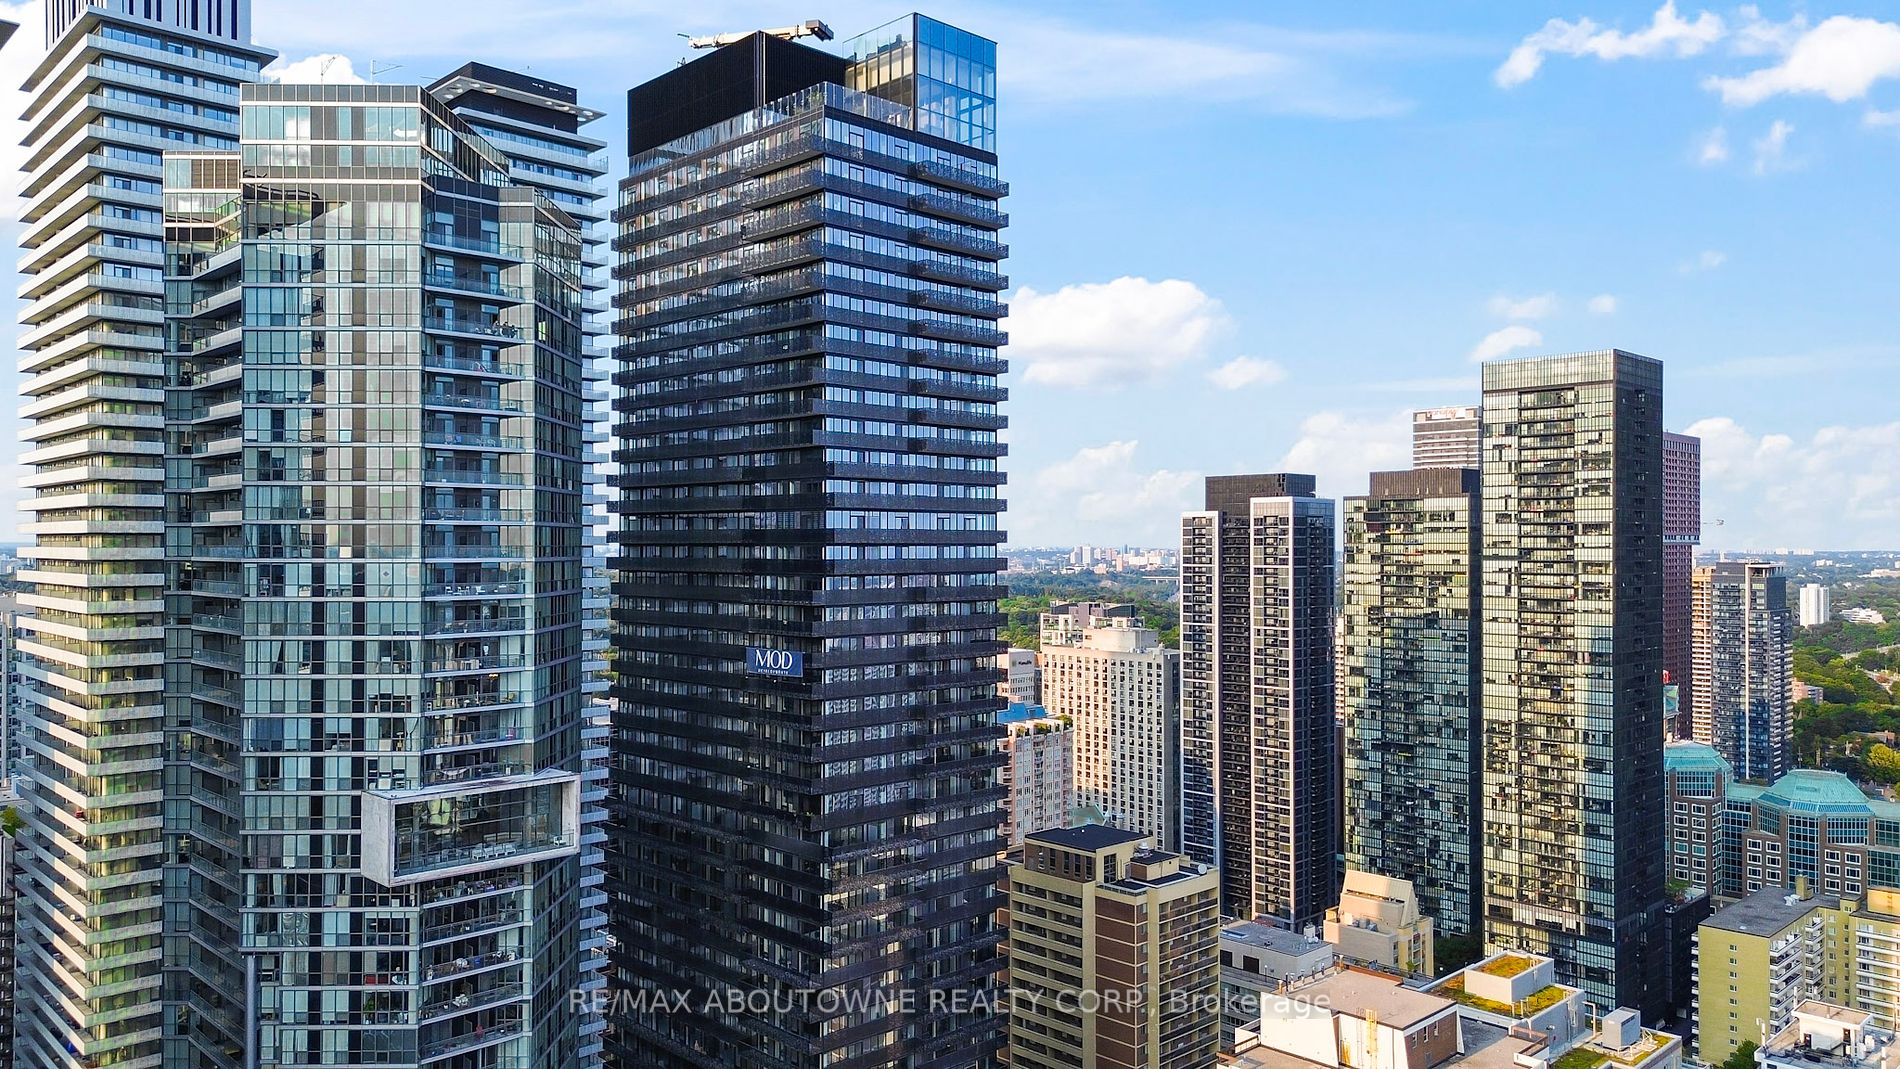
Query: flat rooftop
[(1086, 837), (1766, 912), (1355, 991), (1267, 937)]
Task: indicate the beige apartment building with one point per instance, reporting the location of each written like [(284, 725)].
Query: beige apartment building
[(1120, 687), (1111, 949), (1040, 775)]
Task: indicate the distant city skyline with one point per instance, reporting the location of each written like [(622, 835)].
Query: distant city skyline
[(1310, 306)]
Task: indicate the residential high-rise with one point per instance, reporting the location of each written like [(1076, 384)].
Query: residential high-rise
[(1682, 529), (539, 127), (1022, 677), (1410, 688), (1744, 654), (9, 929), (120, 84), (1039, 772), (373, 425), (1112, 954), (1816, 604), (805, 727), (1259, 742), (1757, 960), (1445, 437), (1120, 687), (1572, 653)]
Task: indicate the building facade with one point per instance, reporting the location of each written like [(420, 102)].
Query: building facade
[(540, 128), (1256, 960), (1379, 922), (1743, 642), (1112, 953), (1572, 653), (1445, 437), (805, 731), (1120, 687), (372, 682), (1410, 688), (1811, 825), (1682, 531), (9, 928), (1039, 773), (1022, 677), (121, 83), (1756, 961), (1259, 742), (1816, 604), (1697, 781)]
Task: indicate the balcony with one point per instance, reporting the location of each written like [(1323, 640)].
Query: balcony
[(958, 241), (949, 174), (472, 326), (494, 247), (459, 829)]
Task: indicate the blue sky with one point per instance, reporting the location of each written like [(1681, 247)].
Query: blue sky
[(1252, 236)]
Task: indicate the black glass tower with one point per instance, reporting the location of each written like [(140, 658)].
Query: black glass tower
[(1572, 653), (806, 797)]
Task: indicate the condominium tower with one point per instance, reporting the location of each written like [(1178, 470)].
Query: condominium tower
[(1682, 530), (1409, 682), (121, 83), (808, 571), (1259, 746), (1039, 771), (540, 128), (1743, 652), (1445, 437), (373, 423), (1816, 604), (1573, 817), (1120, 687), (1112, 953)]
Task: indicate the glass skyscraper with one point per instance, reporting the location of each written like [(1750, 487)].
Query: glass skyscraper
[(373, 504), (805, 740), (1742, 638), (1259, 742), (1410, 688), (540, 127), (1572, 651), (123, 81)]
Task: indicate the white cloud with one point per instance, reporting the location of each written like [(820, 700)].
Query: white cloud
[(1340, 449), (1244, 371), (1771, 149), (1603, 304), (1505, 340), (1712, 148), (1757, 36), (1112, 334), (1667, 33), (1840, 59), (1538, 307), (1837, 490), (1079, 64), (1706, 260), (325, 68), (1100, 495), (1879, 120)]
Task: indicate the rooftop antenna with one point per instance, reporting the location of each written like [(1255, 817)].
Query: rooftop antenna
[(808, 28), (377, 70)]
